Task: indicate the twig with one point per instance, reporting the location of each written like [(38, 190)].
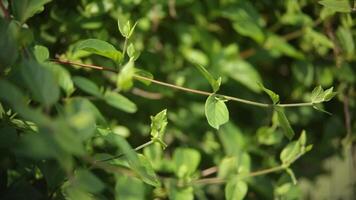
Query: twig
[(120, 155), (145, 94), (218, 180), (258, 104), (209, 171)]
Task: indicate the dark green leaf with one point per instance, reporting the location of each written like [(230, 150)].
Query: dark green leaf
[(284, 124), (40, 81), (8, 43), (216, 111), (87, 181), (24, 9)]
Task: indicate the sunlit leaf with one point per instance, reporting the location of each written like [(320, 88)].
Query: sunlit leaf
[(216, 111), (100, 47), (235, 190)]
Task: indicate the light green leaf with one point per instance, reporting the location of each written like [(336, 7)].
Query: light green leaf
[(118, 101), (158, 126), (346, 40), (24, 9), (41, 53), (274, 97), (235, 189), (40, 81), (184, 193), (290, 152), (227, 167), (216, 111), (215, 84), (124, 78), (101, 48), (186, 161), (87, 86), (268, 135), (132, 52), (284, 124), (337, 5)]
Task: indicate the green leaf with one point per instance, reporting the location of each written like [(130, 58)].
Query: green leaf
[(215, 84), (129, 188), (244, 73), (124, 78), (41, 53), (284, 124), (87, 86), (295, 149), (8, 43), (118, 101), (319, 95), (290, 152), (235, 189), (245, 20), (87, 181), (101, 48), (186, 161), (278, 46), (24, 9), (40, 81), (216, 111), (139, 164), (158, 126), (63, 78), (183, 193), (268, 135), (132, 53), (337, 5), (125, 29), (147, 172), (227, 167), (274, 97)]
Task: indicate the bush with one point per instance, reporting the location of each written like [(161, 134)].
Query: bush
[(177, 99)]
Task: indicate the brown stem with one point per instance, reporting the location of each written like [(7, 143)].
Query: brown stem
[(218, 180), (264, 105)]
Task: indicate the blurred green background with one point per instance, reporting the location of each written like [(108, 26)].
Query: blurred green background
[(290, 46)]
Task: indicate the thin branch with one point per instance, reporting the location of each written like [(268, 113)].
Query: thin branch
[(120, 155), (258, 104), (218, 180), (209, 171), (4, 10)]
